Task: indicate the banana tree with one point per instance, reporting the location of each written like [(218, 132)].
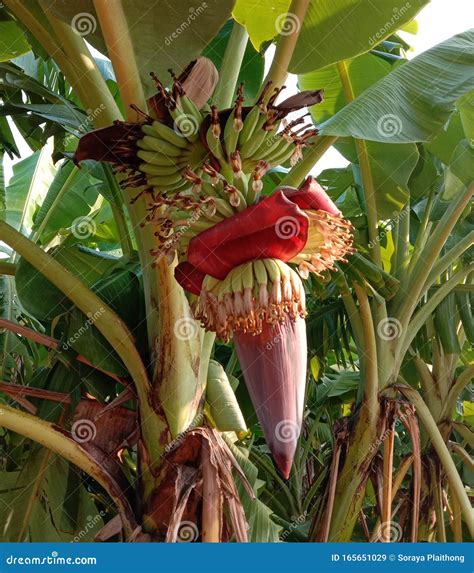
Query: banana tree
[(180, 213)]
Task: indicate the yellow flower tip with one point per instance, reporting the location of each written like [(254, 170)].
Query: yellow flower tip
[(330, 240)]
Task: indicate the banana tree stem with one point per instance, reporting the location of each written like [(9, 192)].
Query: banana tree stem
[(89, 83), (410, 330), (115, 29), (105, 320), (211, 498), (448, 259), (60, 443), (297, 174), (370, 357), (286, 44), (457, 487), (438, 503), (230, 68), (366, 172), (387, 484), (8, 268), (402, 305), (461, 382)]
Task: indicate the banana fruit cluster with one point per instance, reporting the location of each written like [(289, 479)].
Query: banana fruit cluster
[(210, 165), (241, 144), (166, 152), (257, 292)]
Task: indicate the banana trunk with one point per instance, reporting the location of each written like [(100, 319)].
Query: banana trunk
[(274, 368)]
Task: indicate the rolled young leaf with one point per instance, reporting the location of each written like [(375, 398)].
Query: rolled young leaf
[(223, 405)]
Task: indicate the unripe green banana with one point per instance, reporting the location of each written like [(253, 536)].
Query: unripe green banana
[(283, 155), (166, 133), (247, 276), (223, 207), (279, 146), (231, 135), (187, 125), (241, 182), (258, 137), (260, 272), (182, 184), (165, 180), (190, 109), (214, 144), (151, 169), (160, 145), (156, 158), (237, 279), (250, 123), (273, 270)]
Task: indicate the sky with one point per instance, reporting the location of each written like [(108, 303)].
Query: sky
[(439, 20)]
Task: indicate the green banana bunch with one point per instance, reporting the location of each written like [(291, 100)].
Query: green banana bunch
[(166, 152)]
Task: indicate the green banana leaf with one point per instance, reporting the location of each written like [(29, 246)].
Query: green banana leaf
[(333, 30), (415, 101)]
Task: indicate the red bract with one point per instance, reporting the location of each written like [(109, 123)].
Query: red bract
[(274, 228), (189, 277), (311, 196), (274, 367), (110, 144)]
